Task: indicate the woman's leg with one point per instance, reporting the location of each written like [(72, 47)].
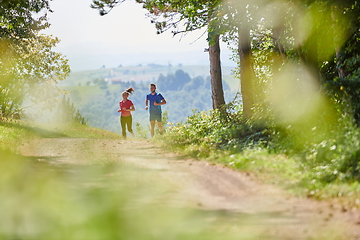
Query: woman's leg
[(129, 125), (123, 126)]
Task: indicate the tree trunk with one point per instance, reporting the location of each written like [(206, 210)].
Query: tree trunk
[(246, 76), (215, 74)]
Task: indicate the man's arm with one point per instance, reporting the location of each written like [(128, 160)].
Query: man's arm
[(146, 104), (163, 101)]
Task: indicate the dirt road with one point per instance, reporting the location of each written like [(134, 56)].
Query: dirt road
[(269, 212)]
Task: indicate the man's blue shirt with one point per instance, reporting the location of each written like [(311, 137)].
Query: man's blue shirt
[(157, 97)]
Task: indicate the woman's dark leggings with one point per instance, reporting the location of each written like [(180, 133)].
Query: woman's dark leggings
[(126, 121)]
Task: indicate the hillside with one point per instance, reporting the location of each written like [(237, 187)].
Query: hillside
[(139, 73)]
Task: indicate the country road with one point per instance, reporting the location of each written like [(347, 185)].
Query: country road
[(234, 198)]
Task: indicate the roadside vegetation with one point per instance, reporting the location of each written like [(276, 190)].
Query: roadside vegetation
[(317, 158)]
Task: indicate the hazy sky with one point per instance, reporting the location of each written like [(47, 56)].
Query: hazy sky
[(124, 36)]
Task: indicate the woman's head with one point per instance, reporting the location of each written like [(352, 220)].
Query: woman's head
[(128, 92)]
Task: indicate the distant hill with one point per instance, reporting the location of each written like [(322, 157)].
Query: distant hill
[(139, 73)]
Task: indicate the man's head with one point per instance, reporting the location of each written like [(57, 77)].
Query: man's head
[(152, 87)]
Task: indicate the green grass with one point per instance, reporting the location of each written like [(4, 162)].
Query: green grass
[(12, 133)]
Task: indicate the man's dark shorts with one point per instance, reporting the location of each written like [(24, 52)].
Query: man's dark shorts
[(155, 117)]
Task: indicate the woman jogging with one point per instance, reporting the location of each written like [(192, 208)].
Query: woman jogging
[(126, 106)]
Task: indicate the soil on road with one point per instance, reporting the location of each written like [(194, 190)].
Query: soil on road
[(267, 210)]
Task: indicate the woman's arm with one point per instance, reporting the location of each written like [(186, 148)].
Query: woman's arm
[(132, 108)]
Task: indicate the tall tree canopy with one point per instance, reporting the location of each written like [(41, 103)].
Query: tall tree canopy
[(17, 18), (26, 57)]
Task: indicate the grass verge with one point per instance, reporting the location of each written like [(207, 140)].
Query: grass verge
[(286, 172)]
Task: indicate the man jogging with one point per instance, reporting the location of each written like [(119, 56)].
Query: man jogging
[(154, 100)]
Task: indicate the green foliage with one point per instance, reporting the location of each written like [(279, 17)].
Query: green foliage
[(17, 19), (29, 68), (12, 133), (181, 81), (165, 119), (30, 71), (173, 82), (215, 129), (342, 78), (67, 113), (140, 131)]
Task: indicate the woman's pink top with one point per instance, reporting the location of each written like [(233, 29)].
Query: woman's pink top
[(126, 105)]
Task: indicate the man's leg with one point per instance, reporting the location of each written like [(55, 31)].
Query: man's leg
[(159, 120), (152, 128), (160, 127)]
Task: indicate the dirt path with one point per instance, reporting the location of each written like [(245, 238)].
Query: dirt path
[(197, 184)]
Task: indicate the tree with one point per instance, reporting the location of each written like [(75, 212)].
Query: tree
[(30, 70), (67, 113), (237, 21), (341, 75), (28, 66), (181, 78), (17, 18), (173, 82), (218, 99)]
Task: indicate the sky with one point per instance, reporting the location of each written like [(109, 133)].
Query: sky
[(123, 37)]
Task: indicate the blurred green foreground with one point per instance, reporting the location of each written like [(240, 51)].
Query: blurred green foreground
[(40, 200)]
